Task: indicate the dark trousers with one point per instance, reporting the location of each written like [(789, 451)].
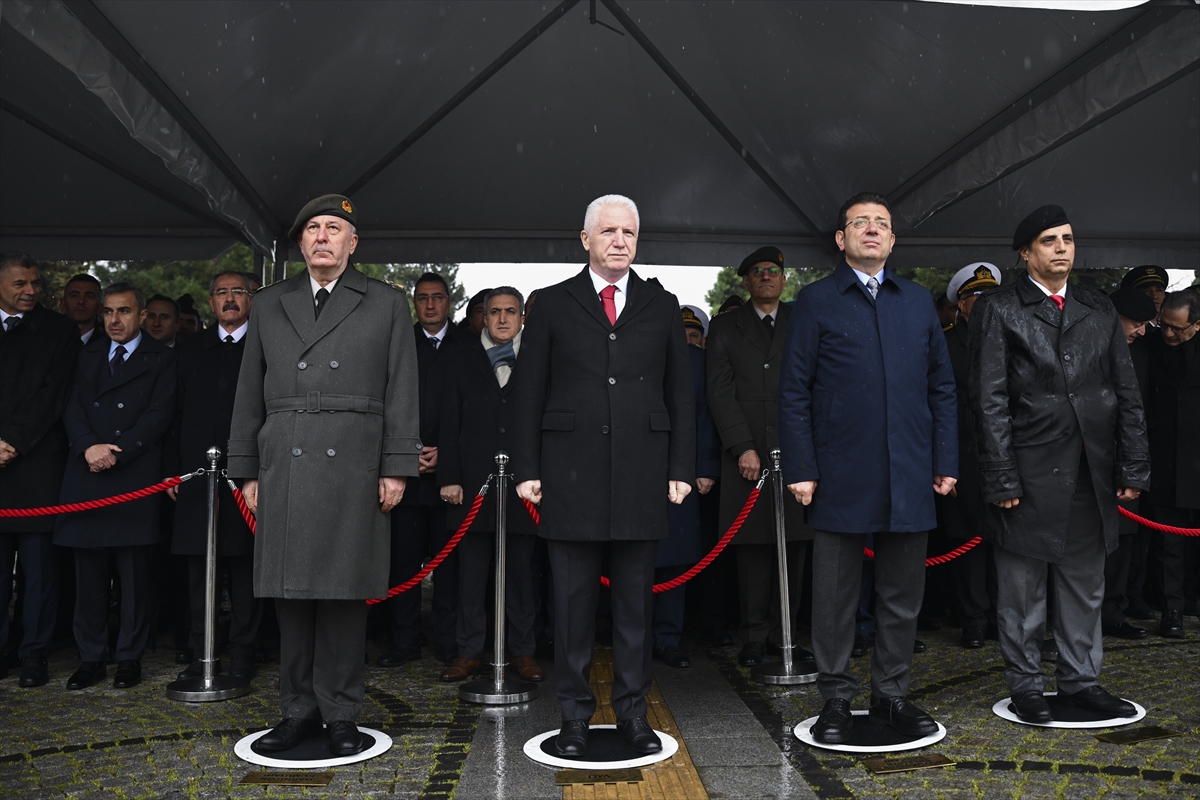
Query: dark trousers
[(974, 586), (1116, 578), (39, 572), (476, 562), (1179, 556), (322, 647), (1022, 603), (716, 583), (899, 585), (577, 567), (669, 607), (92, 582), (758, 589), (418, 533), (246, 610)]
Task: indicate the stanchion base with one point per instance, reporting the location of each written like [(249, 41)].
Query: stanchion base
[(1068, 716), (774, 673), (312, 753), (191, 690), (485, 692), (868, 736), (607, 749)]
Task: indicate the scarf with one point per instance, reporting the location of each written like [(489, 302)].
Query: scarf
[(502, 356)]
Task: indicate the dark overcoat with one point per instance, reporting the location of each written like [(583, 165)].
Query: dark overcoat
[(131, 409), (1045, 385), (324, 408), (478, 418), (432, 365), (1139, 351), (37, 362), (1174, 420), (208, 378), (867, 404), (682, 545), (605, 412), (743, 394), (962, 512)]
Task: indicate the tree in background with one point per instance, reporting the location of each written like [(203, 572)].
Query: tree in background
[(405, 277), (728, 283)]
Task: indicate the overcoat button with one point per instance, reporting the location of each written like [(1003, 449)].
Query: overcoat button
[(1067, 357), (296, 451), (766, 366), (333, 365), (303, 365), (331, 452), (120, 405), (502, 430), (95, 405), (612, 336), (503, 401), (769, 429), (420, 446), (604, 429), (612, 381), (1054, 471), (116, 433), (139, 444)]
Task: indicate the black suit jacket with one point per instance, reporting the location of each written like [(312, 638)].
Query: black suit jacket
[(37, 361), (478, 418), (431, 377), (208, 376), (605, 415), (131, 409), (1174, 390)]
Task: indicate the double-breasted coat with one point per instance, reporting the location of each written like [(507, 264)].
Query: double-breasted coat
[(1045, 385), (131, 409), (1174, 396), (743, 395), (478, 420), (324, 408), (208, 378), (867, 404), (604, 412), (37, 362)]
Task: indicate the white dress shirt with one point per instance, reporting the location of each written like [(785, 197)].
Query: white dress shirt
[(129, 347), (87, 337), (622, 289), (236, 334), (1060, 293), (4, 315), (440, 336), (317, 287), (864, 277)]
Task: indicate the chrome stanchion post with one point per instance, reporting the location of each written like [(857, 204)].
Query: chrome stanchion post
[(209, 686), (499, 690), (786, 672)]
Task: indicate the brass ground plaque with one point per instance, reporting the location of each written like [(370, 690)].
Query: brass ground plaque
[(907, 763), (567, 777), (1134, 735), (288, 778)]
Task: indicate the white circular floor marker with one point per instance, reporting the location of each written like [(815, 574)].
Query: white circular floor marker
[(605, 743), (869, 737)]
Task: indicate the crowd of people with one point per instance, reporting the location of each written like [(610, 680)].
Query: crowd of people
[(1024, 412)]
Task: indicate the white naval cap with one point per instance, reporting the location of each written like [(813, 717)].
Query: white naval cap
[(972, 278)]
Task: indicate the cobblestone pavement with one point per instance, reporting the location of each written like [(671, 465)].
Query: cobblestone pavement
[(107, 743)]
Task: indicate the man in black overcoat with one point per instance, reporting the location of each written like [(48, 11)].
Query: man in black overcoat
[(209, 364), (477, 422), (606, 424), (119, 412), (1062, 438), (419, 522), (37, 360)]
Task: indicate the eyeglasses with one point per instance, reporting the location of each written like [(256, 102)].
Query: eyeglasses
[(1175, 329), (225, 292), (758, 272), (858, 223), (431, 298)]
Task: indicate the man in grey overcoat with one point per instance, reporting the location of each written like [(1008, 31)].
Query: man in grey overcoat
[(325, 434), (745, 349)]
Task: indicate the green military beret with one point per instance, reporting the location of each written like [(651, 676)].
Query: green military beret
[(335, 205)]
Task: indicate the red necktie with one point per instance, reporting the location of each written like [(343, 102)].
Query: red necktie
[(610, 307), (1058, 301)]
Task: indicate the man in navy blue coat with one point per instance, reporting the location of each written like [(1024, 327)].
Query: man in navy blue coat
[(869, 433)]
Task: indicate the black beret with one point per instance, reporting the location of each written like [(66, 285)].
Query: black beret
[(768, 253), (1133, 304), (477, 298), (1039, 220), (187, 305), (335, 205), (732, 303), (1145, 275)]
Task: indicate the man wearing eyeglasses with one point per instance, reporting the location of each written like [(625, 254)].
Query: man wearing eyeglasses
[(743, 356), (869, 435), (209, 364)]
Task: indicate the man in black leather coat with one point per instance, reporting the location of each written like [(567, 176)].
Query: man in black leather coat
[(1062, 437)]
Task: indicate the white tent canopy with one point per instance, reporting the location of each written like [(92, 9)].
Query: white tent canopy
[(478, 131)]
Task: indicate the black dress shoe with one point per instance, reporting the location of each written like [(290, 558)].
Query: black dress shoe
[(34, 672), (1171, 625), (1139, 610), (286, 735), (800, 654), (672, 656), (972, 637), (196, 669), (833, 726), (720, 639), (88, 673), (185, 656), (344, 739), (861, 645), (1094, 698), (1125, 630), (571, 741), (398, 655), (128, 674), (1031, 706), (242, 668), (640, 735), (751, 655), (919, 646), (903, 716)]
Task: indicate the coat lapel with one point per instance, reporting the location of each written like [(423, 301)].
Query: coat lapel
[(639, 295), (782, 314), (297, 302), (484, 365), (1073, 310), (582, 290), (1046, 310), (134, 366), (753, 328)]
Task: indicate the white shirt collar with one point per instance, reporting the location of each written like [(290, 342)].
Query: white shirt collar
[(5, 315), (236, 334), (129, 346), (598, 282), (440, 335), (87, 337), (763, 315), (1061, 292), (864, 277), (316, 286)]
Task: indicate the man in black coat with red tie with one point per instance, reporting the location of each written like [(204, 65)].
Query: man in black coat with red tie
[(606, 427)]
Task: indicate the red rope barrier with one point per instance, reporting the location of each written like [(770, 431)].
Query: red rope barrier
[(1158, 526), (88, 505), (702, 563), (933, 561)]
